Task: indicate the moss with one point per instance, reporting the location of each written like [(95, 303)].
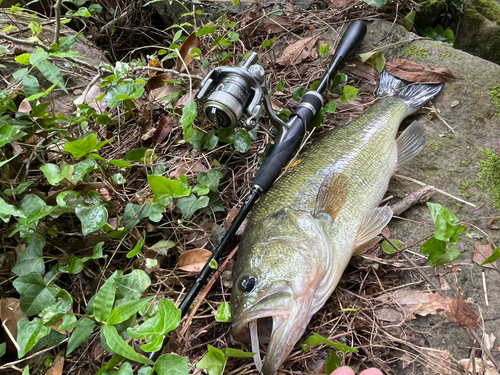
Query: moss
[(489, 177), (495, 97), (446, 52), (428, 6), (433, 145), (416, 52), (475, 18), (488, 8), (465, 189)]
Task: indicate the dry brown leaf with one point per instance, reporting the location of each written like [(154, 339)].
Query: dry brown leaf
[(481, 252), (273, 25), (158, 81), (230, 217), (187, 98), (161, 92), (192, 41), (442, 363), (480, 369), (58, 365), (277, 105), (187, 167), (461, 312), (194, 260), (154, 63), (492, 222), (10, 314), (299, 51), (412, 72), (24, 107), (162, 130), (144, 121)]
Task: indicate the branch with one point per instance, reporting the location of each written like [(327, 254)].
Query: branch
[(421, 195), (58, 21), (172, 71)]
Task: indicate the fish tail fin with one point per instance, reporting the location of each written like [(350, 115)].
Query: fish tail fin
[(415, 95)]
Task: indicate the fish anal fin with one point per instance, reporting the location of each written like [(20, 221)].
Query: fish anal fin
[(332, 195), (410, 143), (370, 228)]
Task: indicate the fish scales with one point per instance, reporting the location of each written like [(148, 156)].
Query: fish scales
[(301, 235)]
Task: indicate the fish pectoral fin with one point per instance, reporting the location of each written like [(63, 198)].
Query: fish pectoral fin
[(410, 143), (332, 195), (370, 228)]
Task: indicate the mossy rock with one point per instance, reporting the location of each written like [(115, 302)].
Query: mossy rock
[(479, 31)]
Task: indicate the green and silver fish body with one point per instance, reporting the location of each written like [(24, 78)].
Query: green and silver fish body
[(302, 234)]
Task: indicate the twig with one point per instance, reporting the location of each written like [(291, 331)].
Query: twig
[(485, 349), (421, 195), (58, 21), (212, 281), (46, 49), (82, 98), (438, 190), (187, 71), (114, 20), (485, 292), (411, 261), (172, 71)]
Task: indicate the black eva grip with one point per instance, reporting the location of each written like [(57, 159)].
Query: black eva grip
[(351, 39), (277, 158)]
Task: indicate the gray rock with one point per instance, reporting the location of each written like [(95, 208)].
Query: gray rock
[(449, 162)]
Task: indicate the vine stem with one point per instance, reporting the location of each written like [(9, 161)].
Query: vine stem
[(58, 21)]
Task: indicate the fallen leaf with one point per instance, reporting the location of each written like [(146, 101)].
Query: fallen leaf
[(481, 253), (163, 129), (187, 167), (194, 260), (187, 98), (277, 105), (144, 121), (299, 51), (58, 365), (273, 25), (412, 72), (493, 221), (441, 363), (10, 314), (461, 312), (481, 367), (386, 232), (158, 81), (154, 63), (24, 107), (230, 217), (454, 104), (192, 41)]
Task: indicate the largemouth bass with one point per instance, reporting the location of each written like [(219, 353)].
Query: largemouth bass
[(302, 234)]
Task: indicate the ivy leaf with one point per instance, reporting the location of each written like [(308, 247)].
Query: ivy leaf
[(82, 332), (54, 174), (132, 285), (8, 210), (81, 169), (189, 205), (210, 140), (53, 313), (200, 189), (210, 179), (74, 265), (133, 214), (223, 312), (349, 93), (97, 253), (3, 345), (105, 298), (34, 209), (242, 141), (31, 259), (66, 43), (214, 361), (92, 213), (23, 58), (375, 59), (126, 310), (137, 249), (145, 370), (189, 113), (409, 20), (82, 146), (165, 187), (116, 94), (119, 346), (316, 339), (445, 220), (172, 364), (166, 319), (29, 333), (21, 188), (7, 134), (298, 93), (35, 294), (69, 322)]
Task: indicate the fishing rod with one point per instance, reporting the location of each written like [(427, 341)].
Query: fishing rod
[(228, 93)]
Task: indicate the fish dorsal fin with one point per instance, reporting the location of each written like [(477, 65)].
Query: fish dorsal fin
[(410, 143), (332, 195), (370, 228)]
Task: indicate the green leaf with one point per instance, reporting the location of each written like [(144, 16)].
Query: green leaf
[(214, 361), (438, 253), (116, 94), (23, 59), (119, 346), (54, 174), (97, 252), (298, 93), (82, 332), (200, 32), (35, 294), (8, 210), (493, 257), (34, 209), (213, 264), (332, 362), (350, 93), (81, 169), (445, 220), (162, 246), (53, 313), (323, 50), (377, 3), (166, 319), (388, 249), (120, 163), (242, 141), (189, 205), (409, 20), (5, 50), (145, 370), (375, 59), (21, 188), (118, 179), (172, 364), (66, 43), (29, 333), (151, 263), (136, 250), (125, 369), (82, 146), (30, 86), (51, 73), (126, 310), (142, 155), (3, 345), (93, 216), (26, 370), (7, 134), (210, 179), (31, 259), (132, 285), (133, 214), (2, 163), (69, 322), (316, 339), (74, 265), (230, 352), (114, 361), (105, 298), (165, 187), (223, 312)]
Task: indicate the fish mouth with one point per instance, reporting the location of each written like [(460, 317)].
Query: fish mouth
[(279, 325)]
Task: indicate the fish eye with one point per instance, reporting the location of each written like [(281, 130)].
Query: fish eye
[(248, 283)]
